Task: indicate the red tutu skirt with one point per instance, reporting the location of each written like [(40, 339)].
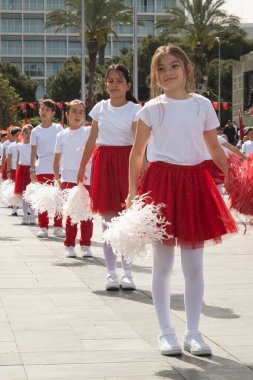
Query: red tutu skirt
[(215, 172), (4, 168), (109, 179), (194, 208), (13, 175), (22, 179)]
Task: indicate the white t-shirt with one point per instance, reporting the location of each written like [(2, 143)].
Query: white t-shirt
[(115, 123), (1, 152), (6, 145), (44, 139), (247, 147), (177, 128), (24, 153), (70, 143), (13, 150)]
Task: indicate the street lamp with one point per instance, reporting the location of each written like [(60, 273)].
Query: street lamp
[(135, 50), (219, 79), (83, 95)]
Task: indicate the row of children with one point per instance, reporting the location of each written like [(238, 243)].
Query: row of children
[(173, 130)]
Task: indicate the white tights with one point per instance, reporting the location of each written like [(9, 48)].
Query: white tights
[(192, 266), (110, 257)]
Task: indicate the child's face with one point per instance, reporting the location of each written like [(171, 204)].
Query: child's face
[(171, 74), (250, 135), (16, 137), (75, 115), (26, 135), (46, 113), (116, 85)]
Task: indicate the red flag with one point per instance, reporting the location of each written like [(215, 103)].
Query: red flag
[(32, 105), (240, 124), (59, 105), (22, 106), (225, 106), (216, 106)]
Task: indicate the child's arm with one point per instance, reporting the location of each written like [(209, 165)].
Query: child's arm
[(136, 158), (88, 150), (215, 150), (234, 149), (56, 166), (18, 159), (33, 159)]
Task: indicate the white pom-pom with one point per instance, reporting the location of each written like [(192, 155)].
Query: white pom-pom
[(76, 204), (8, 195), (134, 228), (44, 197)]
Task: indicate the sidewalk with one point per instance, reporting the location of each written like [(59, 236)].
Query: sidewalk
[(57, 322)]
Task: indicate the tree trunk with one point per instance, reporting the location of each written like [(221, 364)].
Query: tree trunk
[(198, 55), (101, 55)]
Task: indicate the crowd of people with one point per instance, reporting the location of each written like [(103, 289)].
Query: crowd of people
[(168, 148)]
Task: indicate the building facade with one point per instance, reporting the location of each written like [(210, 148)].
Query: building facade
[(40, 53)]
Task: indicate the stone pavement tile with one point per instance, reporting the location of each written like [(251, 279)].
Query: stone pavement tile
[(82, 357), (77, 301), (28, 303), (44, 340), (6, 334), (169, 375), (3, 316), (88, 313), (104, 330), (10, 359), (216, 374), (6, 347), (115, 344), (12, 372), (104, 370), (38, 321)]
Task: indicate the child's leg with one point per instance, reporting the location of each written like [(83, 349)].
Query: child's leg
[(163, 260), (192, 266), (71, 232), (86, 228), (25, 207), (110, 257)]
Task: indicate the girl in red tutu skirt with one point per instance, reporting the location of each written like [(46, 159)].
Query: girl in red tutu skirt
[(112, 130), (176, 124), (23, 175)]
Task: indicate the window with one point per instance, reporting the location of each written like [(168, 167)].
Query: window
[(34, 69), (147, 28), (123, 29), (51, 30), (108, 50), (11, 47), (161, 5), (40, 91), (11, 25), (33, 25), (34, 47), (74, 48), (55, 4), (145, 6), (11, 5), (56, 48), (33, 5), (53, 67)]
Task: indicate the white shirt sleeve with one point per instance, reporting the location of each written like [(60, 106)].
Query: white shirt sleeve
[(95, 110), (212, 121), (58, 143), (145, 115), (33, 138)]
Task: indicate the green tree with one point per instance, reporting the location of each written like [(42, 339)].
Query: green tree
[(65, 85), (24, 86), (198, 22), (100, 16), (9, 100)]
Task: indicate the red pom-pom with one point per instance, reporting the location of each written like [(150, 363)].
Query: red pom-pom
[(239, 184)]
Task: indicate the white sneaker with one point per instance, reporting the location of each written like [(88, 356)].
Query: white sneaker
[(59, 232), (127, 283), (43, 233), (32, 220), (26, 220), (70, 252), (112, 282), (195, 344), (86, 252), (168, 343)]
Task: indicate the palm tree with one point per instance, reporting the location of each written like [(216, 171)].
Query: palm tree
[(100, 16), (198, 22)]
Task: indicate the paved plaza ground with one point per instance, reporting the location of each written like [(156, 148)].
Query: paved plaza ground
[(57, 322)]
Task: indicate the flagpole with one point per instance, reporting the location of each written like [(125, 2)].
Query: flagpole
[(83, 94)]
